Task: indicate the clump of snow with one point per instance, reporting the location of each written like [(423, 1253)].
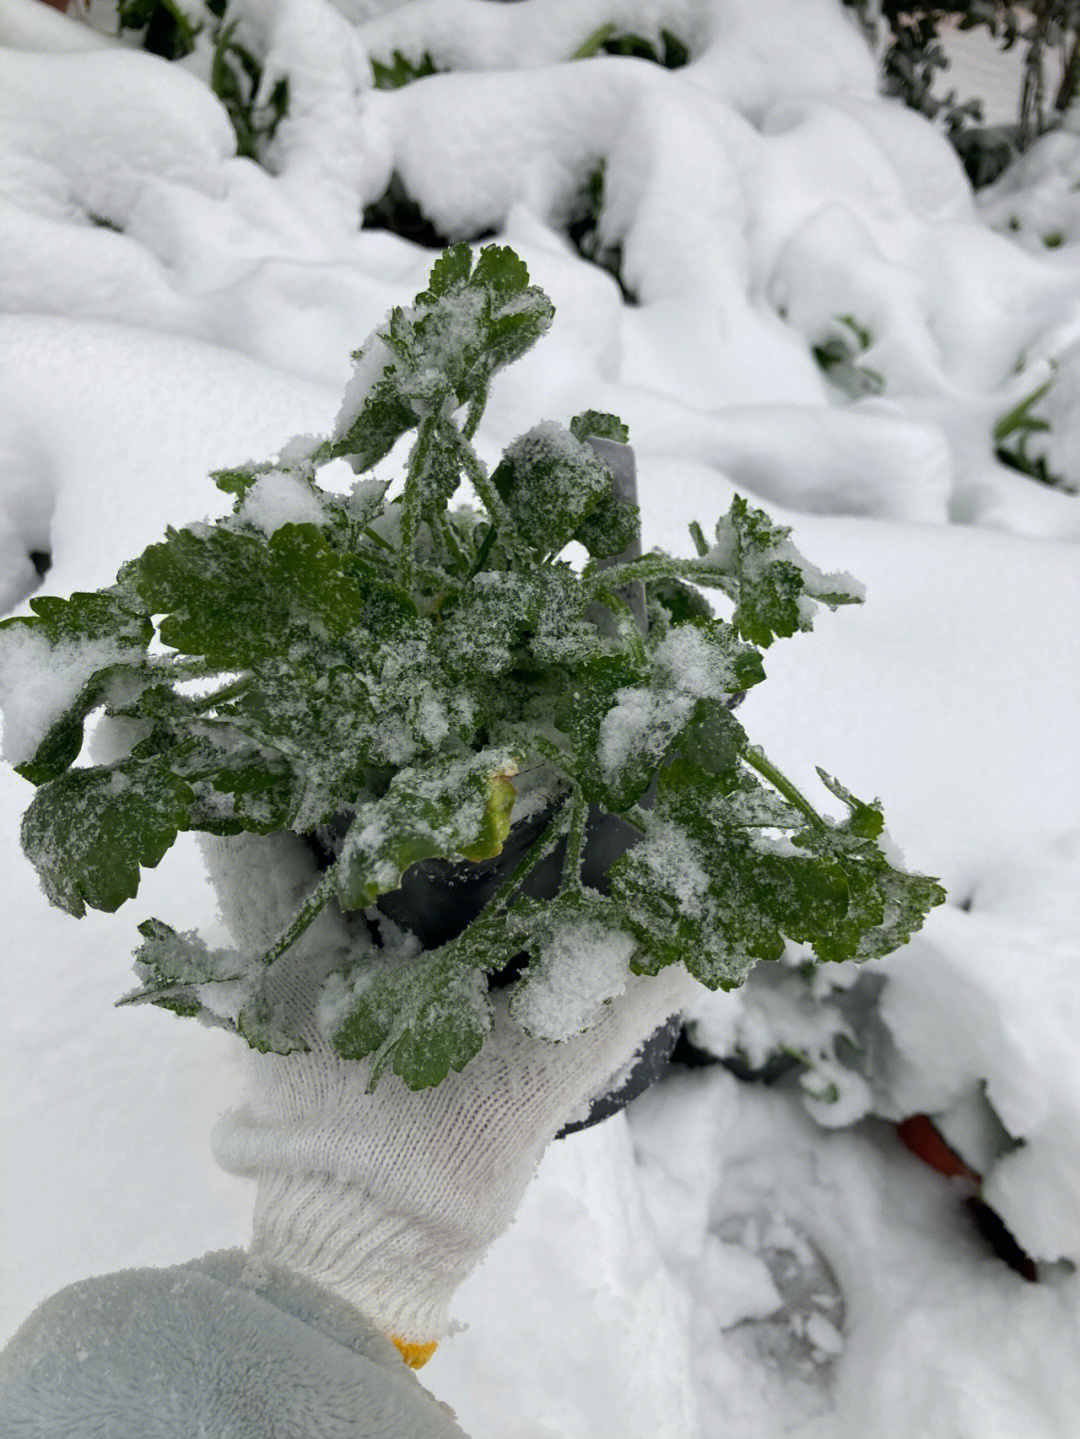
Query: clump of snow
[(641, 722), (694, 666), (279, 498), (581, 967), (39, 680), (374, 359)]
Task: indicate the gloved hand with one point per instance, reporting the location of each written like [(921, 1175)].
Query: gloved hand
[(389, 1199)]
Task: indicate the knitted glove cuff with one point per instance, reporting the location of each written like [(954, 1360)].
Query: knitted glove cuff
[(351, 1243)]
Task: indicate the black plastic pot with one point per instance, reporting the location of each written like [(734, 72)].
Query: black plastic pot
[(438, 898)]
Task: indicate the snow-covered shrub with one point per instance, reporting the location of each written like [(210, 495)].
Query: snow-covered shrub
[(913, 57)]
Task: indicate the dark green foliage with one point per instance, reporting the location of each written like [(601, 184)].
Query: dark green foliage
[(235, 77), (666, 49), (396, 210), (170, 29), (913, 58), (384, 674), (1012, 436), (584, 232), (838, 355), (401, 70)]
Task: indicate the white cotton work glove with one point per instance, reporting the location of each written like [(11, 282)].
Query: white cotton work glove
[(389, 1199)]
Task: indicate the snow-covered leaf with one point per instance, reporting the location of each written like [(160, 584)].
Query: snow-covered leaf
[(453, 808), (88, 832)]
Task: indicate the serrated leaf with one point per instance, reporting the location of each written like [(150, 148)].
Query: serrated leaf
[(612, 527), (623, 717), (864, 820), (502, 271), (240, 478), (451, 269), (89, 639), (551, 483), (592, 694), (88, 832), (239, 598), (473, 319), (185, 958), (579, 960), (422, 1016), (774, 585), (451, 808), (743, 872), (264, 1025), (600, 425)]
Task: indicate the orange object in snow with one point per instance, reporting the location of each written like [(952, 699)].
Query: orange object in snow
[(921, 1136)]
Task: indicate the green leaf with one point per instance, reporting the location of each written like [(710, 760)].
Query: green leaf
[(672, 602), (473, 319), (88, 832), (773, 583), (699, 890), (481, 628), (90, 638), (235, 786), (401, 70), (1020, 417), (592, 694), (422, 1016), (551, 483), (264, 1025), (185, 958), (743, 872), (714, 739), (864, 820), (434, 471), (451, 808), (611, 528), (600, 425), (238, 598), (579, 960), (240, 478)]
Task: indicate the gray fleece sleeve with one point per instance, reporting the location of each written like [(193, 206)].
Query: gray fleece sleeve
[(225, 1347)]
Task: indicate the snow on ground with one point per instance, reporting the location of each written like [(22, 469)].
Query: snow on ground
[(717, 1263)]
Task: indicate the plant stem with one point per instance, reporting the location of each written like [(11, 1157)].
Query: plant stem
[(225, 693), (378, 539), (575, 840), (482, 553), (476, 410), (311, 908), (451, 543), (538, 850), (481, 483), (410, 501), (626, 625), (757, 759), (655, 567)]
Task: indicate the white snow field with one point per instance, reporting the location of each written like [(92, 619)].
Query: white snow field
[(725, 1258)]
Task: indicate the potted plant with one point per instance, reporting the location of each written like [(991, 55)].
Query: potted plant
[(514, 771)]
